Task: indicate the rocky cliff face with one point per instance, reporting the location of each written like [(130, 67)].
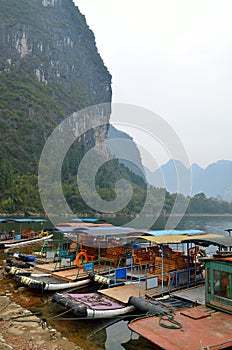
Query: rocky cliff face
[(54, 39), (49, 68)]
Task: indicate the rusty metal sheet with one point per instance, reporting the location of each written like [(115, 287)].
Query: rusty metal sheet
[(214, 332)]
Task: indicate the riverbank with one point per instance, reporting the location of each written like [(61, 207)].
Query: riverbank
[(105, 216), (21, 330)]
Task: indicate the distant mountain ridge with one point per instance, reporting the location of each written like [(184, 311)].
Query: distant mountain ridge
[(133, 161), (214, 181)]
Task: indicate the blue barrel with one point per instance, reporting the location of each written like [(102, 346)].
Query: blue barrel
[(31, 258), (136, 245)]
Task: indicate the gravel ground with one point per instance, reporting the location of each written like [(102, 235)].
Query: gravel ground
[(21, 330)]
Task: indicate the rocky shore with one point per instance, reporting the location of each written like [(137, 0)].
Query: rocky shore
[(21, 330)]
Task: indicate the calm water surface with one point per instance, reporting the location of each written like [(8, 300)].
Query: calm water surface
[(111, 334)]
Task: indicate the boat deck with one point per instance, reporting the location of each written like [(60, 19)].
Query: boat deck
[(123, 293), (194, 294), (70, 273), (202, 328)]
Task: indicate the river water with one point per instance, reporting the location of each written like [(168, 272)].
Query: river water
[(107, 334)]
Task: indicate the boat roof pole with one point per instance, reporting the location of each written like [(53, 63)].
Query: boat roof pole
[(162, 256), (188, 264), (139, 284)]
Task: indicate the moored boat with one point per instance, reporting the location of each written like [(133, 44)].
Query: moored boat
[(206, 326), (16, 243), (43, 282), (92, 305), (118, 258), (25, 236)]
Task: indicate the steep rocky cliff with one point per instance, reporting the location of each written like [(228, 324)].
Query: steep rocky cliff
[(49, 68)]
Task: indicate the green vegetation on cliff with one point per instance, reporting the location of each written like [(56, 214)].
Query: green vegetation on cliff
[(49, 68)]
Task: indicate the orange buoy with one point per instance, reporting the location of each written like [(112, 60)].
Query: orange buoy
[(81, 258)]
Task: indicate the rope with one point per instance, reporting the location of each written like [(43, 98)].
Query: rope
[(62, 313), (141, 316), (169, 318), (164, 317), (150, 299), (85, 318)]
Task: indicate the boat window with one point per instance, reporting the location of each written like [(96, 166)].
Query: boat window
[(221, 283)]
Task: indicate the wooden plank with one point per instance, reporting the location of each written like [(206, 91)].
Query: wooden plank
[(49, 267), (123, 293), (68, 274)]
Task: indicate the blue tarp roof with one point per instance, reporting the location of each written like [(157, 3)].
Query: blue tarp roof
[(173, 232), (93, 220), (29, 220), (21, 220)]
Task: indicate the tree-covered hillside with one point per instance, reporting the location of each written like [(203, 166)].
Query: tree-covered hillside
[(49, 68)]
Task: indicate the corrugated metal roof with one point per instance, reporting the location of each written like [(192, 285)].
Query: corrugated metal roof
[(82, 223), (163, 239), (179, 238), (97, 231), (225, 241)]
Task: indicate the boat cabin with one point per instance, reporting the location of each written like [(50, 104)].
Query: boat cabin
[(218, 289)]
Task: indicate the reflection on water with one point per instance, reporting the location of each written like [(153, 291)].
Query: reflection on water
[(112, 337), (112, 334), (118, 337), (108, 334), (210, 224)]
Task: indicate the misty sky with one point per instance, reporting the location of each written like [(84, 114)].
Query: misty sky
[(173, 57)]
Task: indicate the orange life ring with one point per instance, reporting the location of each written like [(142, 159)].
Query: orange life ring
[(79, 256)]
